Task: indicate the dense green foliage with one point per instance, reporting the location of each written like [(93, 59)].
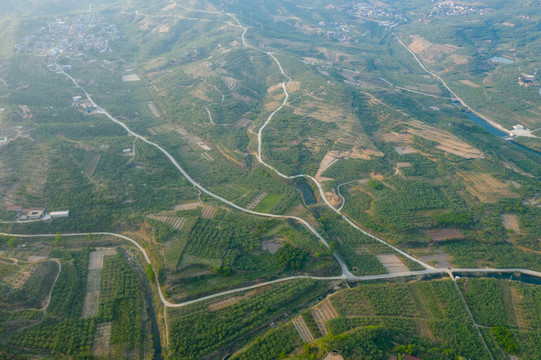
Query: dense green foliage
[(121, 302), (69, 291), (199, 331), (275, 344), (291, 257), (505, 339), (72, 337)]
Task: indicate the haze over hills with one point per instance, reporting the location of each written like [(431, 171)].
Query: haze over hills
[(270, 179)]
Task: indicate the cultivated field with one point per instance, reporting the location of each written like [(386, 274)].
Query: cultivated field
[(188, 206), (430, 51), (486, 188), (443, 234), (322, 314), (174, 221), (208, 212), (470, 83), (392, 263), (447, 142), (102, 340), (93, 282), (153, 110), (302, 329), (256, 201)]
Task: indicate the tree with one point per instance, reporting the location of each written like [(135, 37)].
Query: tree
[(150, 274), (12, 243), (292, 257), (57, 239), (90, 240)]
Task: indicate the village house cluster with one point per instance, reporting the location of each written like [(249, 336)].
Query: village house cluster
[(367, 10), (71, 36), (452, 9), (528, 80)]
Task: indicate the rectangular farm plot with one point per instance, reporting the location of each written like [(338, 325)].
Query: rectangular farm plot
[(392, 263), (174, 221), (486, 188), (322, 314), (443, 234), (302, 329), (93, 282), (188, 206), (208, 212), (101, 346)]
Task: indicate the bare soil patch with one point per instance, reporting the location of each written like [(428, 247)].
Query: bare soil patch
[(403, 164), (392, 263), (189, 206), (272, 246), (486, 188), (443, 234), (293, 86), (273, 105), (510, 222), (153, 110), (447, 141), (201, 93), (403, 150), (470, 83), (161, 129), (441, 260), (102, 340), (328, 160), (394, 137), (430, 51)]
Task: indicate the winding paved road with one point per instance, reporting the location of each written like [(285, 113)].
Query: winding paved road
[(352, 278), (346, 275)]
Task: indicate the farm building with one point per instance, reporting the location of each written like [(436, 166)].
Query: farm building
[(59, 214), (15, 208), (126, 151), (32, 214)]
